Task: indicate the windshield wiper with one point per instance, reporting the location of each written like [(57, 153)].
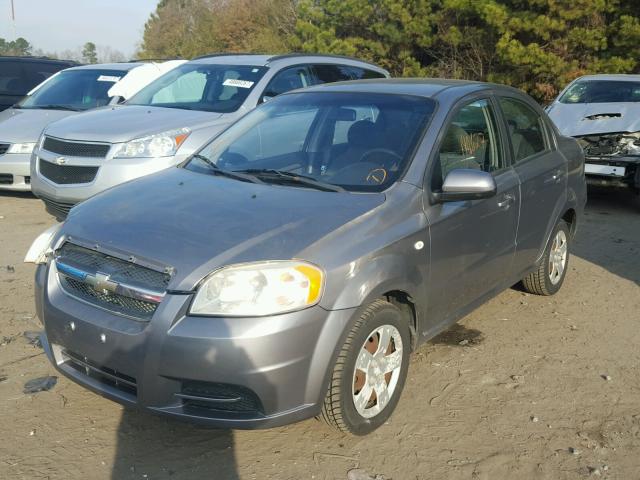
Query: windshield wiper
[(270, 174), (57, 107), (216, 170)]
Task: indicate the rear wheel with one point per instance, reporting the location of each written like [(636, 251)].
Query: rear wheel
[(549, 276), (370, 371)]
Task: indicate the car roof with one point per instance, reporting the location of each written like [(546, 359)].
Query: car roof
[(26, 58), (618, 77), (423, 87), (124, 66), (283, 60)]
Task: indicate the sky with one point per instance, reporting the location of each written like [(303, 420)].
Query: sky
[(57, 25)]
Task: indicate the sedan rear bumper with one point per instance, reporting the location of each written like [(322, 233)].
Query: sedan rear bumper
[(223, 372)]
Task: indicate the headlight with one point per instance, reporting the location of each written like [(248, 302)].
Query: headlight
[(21, 148), (259, 289), (159, 145), (632, 144), (41, 246)]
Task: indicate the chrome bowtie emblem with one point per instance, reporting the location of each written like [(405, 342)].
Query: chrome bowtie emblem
[(60, 161), (101, 283)]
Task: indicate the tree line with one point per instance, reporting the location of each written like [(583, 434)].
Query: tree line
[(88, 53), (536, 45)]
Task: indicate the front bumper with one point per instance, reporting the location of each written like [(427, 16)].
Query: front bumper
[(613, 171), (15, 172), (277, 366), (111, 172)]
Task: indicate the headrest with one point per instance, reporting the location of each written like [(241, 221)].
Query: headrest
[(361, 133)]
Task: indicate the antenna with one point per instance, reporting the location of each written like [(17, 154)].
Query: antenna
[(13, 20)]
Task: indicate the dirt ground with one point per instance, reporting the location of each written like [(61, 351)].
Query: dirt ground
[(525, 387)]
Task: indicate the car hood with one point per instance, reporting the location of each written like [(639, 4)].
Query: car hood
[(197, 223), (126, 122), (580, 119), (26, 124)]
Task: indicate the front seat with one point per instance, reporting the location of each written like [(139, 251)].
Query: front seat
[(360, 137)]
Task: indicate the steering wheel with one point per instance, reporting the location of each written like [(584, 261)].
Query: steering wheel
[(352, 174), (377, 176), (365, 157)]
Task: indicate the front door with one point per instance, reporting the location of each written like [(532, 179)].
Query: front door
[(472, 242)]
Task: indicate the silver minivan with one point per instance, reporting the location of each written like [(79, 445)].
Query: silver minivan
[(64, 94), (169, 119)]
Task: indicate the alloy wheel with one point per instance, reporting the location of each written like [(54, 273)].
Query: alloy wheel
[(557, 257), (377, 370)]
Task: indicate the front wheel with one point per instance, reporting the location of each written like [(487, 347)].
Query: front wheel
[(370, 371), (549, 276)]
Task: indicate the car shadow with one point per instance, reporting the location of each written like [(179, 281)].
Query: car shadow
[(609, 235), (9, 193), (157, 447), (149, 446)]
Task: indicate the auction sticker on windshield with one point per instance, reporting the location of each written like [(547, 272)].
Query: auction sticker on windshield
[(108, 78), (232, 82)]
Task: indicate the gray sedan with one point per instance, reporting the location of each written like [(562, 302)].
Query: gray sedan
[(288, 268)]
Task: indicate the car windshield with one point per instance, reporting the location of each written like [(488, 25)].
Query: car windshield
[(602, 91), (74, 90), (356, 141), (211, 88)]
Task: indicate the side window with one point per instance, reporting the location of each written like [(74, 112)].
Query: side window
[(286, 80), (36, 73), (358, 73), (526, 128), (470, 141), (12, 80), (326, 73)]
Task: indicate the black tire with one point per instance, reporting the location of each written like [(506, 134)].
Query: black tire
[(338, 409), (539, 281)]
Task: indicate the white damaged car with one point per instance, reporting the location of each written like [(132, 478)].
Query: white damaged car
[(603, 113)]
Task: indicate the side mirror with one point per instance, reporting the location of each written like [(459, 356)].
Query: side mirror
[(466, 184), (265, 98)]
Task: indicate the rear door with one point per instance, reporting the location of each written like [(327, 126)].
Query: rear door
[(542, 171), (472, 242)]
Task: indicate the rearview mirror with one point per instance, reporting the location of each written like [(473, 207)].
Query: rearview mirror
[(466, 184), (343, 115)]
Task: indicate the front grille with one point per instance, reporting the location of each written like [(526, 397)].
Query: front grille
[(60, 210), (76, 149), (3, 148), (103, 374), (122, 272), (219, 397), (119, 270), (113, 302), (67, 174), (6, 179)]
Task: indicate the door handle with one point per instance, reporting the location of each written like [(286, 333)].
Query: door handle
[(507, 200)]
